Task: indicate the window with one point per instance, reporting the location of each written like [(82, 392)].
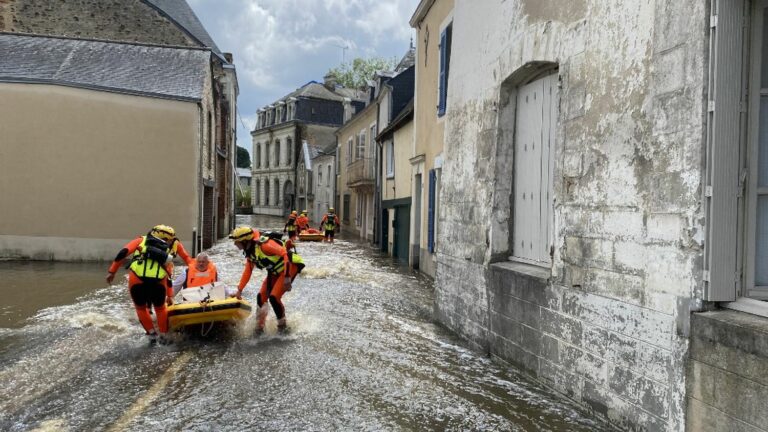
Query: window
[(373, 135), (210, 139), (319, 175), (266, 192), (338, 160), (266, 155), (534, 141), (309, 182), (360, 151), (445, 62), (277, 193), (328, 177), (756, 271), (258, 155), (289, 157), (277, 153), (257, 193), (349, 151), (359, 213), (390, 159), (345, 209)]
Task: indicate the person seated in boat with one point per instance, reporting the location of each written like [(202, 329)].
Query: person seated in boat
[(151, 264), (302, 222), (290, 226), (203, 272), (329, 224), (270, 254)]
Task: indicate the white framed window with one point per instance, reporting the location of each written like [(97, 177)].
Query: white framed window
[(446, 36), (359, 213), (328, 177), (349, 151), (391, 158), (319, 175), (534, 145), (360, 150), (373, 136)]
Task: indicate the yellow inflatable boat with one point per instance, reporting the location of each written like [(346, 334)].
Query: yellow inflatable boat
[(206, 304)]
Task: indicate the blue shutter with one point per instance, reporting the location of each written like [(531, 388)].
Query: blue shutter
[(431, 213), (443, 82)]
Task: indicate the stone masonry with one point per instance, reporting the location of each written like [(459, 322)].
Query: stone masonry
[(607, 323)]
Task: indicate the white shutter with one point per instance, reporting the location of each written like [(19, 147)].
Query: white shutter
[(724, 133), (527, 186)]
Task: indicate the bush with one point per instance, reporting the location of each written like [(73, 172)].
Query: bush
[(243, 197)]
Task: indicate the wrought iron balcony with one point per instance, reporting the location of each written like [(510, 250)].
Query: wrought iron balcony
[(360, 173)]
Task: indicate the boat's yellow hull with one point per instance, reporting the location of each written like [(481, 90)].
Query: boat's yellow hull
[(185, 314)]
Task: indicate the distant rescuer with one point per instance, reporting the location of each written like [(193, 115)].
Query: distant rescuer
[(290, 225), (149, 278), (271, 255), (329, 224)]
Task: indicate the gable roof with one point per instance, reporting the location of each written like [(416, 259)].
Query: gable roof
[(145, 70), (180, 13)]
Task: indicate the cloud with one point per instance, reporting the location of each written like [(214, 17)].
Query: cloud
[(279, 45)]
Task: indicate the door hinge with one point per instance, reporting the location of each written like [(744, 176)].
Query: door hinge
[(713, 21), (711, 106), (708, 191), (742, 183), (705, 276)]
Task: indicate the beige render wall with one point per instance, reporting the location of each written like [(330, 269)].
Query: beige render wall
[(403, 180), (429, 128), (82, 172), (353, 127)]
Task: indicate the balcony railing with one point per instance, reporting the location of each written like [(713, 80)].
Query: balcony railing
[(360, 172)]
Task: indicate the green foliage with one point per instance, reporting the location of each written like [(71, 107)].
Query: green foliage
[(355, 74), (243, 197), (243, 158)]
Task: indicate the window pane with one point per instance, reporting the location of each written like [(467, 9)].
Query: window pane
[(761, 245), (764, 52), (762, 168)]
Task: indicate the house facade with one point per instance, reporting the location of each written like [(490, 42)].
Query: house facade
[(600, 219), (355, 184), (160, 23), (312, 113), (101, 139), (432, 22)]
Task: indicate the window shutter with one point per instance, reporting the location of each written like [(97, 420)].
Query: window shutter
[(724, 133), (442, 80), (431, 213)]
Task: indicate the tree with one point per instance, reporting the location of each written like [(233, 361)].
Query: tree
[(243, 158), (355, 74)]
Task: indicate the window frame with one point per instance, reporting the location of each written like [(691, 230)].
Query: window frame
[(390, 158)]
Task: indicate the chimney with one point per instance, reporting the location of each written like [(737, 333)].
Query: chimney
[(228, 57), (329, 81)]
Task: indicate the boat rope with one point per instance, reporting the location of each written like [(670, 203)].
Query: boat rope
[(204, 303)]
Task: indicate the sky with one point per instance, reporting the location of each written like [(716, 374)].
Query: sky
[(280, 45)]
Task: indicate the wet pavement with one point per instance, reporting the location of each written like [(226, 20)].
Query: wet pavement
[(363, 353)]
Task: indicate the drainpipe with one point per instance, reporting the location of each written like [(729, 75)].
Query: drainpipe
[(201, 195)]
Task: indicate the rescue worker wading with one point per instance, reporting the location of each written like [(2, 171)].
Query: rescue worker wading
[(271, 255), (151, 267), (290, 225), (302, 221), (329, 224)]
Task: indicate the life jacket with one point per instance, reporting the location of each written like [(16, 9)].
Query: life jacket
[(291, 224), (196, 278), (271, 263), (149, 259), (330, 222)]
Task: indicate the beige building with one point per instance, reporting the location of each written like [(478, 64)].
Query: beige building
[(90, 160), (396, 141), (170, 23), (355, 182), (432, 21)]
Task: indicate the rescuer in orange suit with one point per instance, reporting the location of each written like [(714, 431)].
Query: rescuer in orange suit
[(291, 226), (148, 279), (269, 254), (302, 221)]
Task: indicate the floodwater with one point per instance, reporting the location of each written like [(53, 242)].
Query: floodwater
[(363, 353)]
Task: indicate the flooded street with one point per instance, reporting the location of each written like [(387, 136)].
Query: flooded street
[(363, 353)]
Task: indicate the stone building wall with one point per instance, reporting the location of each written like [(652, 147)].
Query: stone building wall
[(121, 20), (607, 322)]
